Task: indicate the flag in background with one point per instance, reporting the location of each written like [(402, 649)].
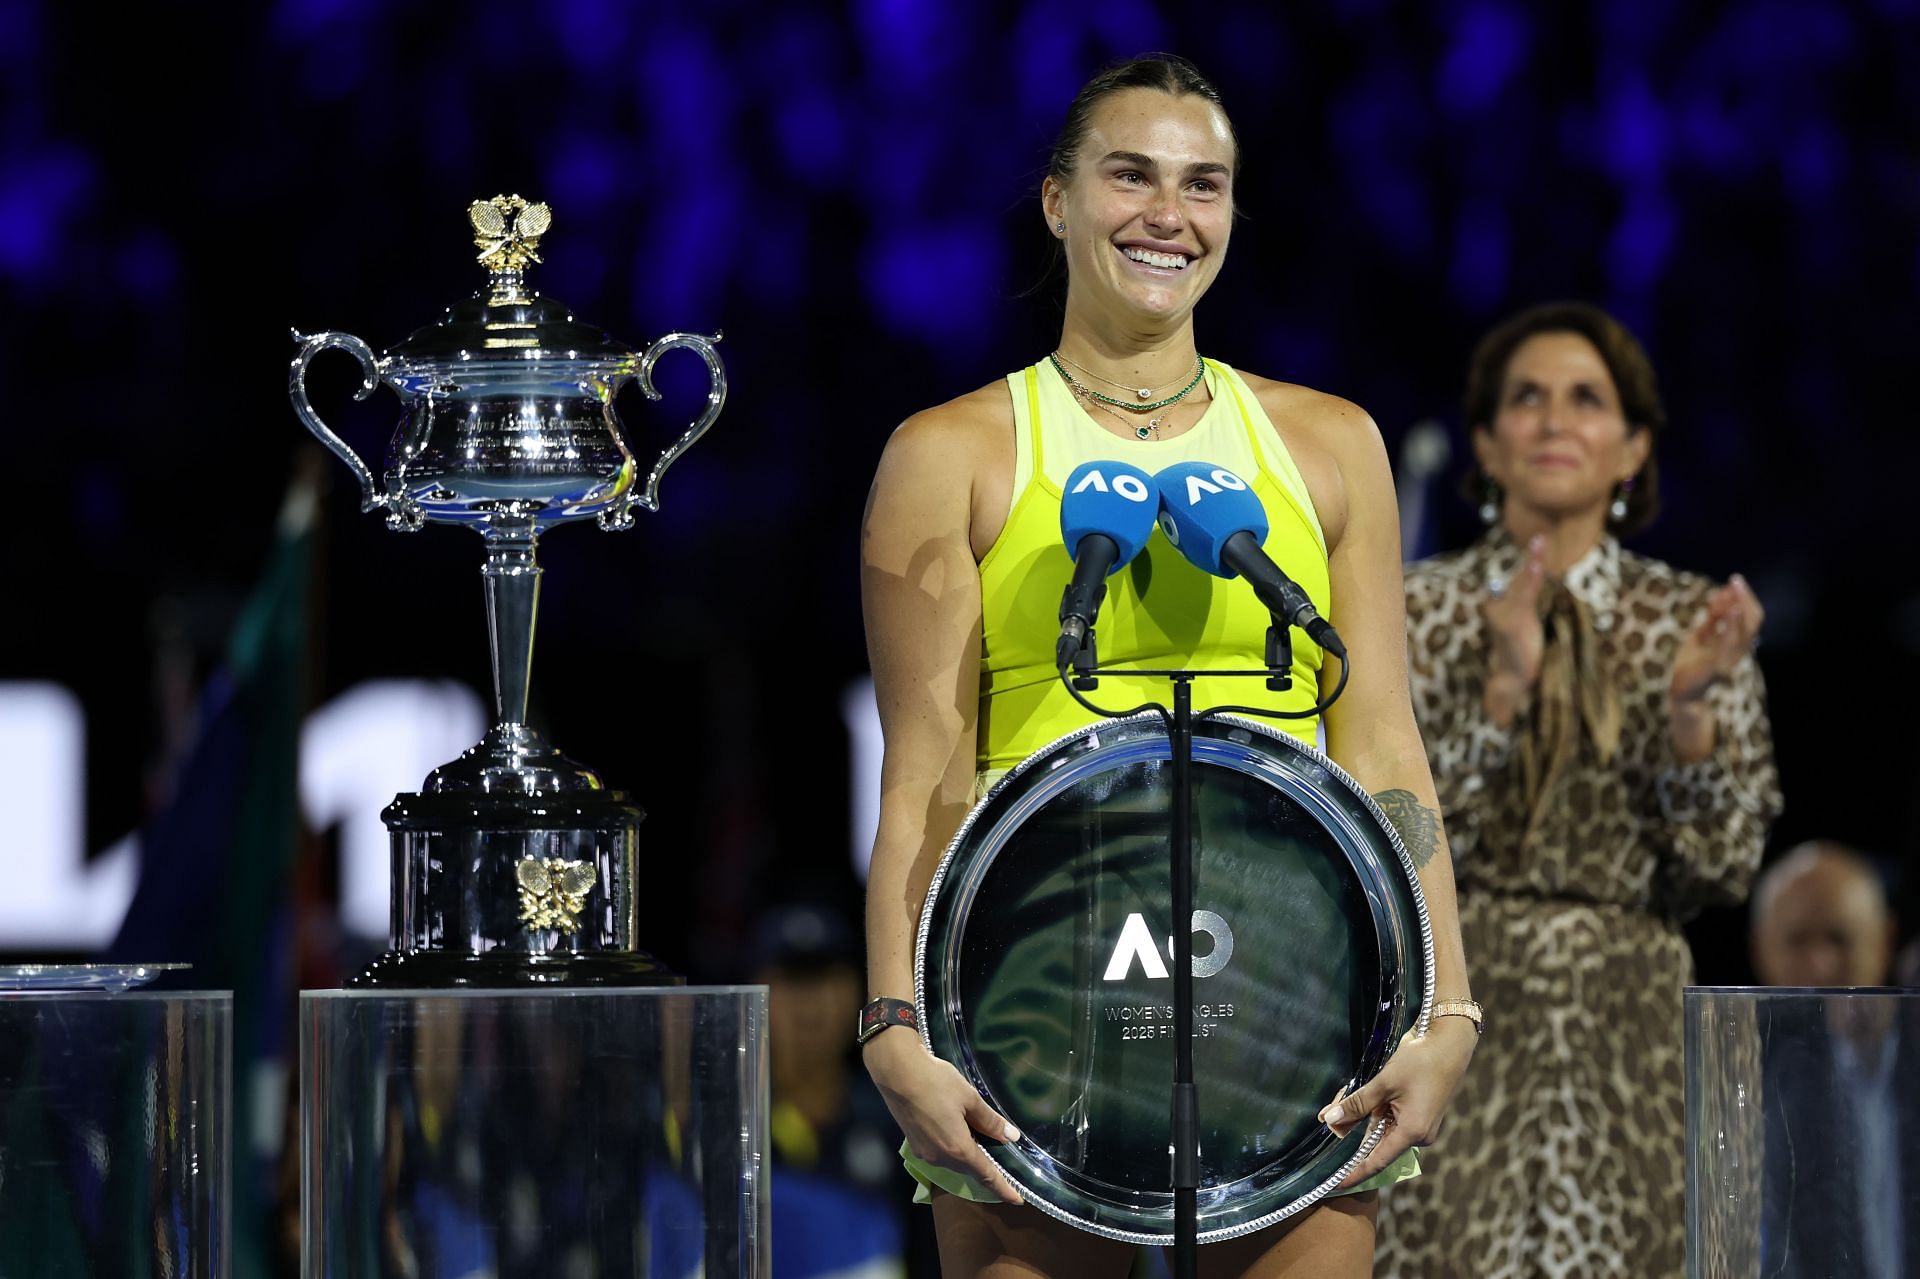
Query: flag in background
[(217, 863)]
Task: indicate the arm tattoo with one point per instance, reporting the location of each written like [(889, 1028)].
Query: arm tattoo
[(1419, 826)]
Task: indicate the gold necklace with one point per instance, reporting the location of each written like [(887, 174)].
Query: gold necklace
[(1144, 392)]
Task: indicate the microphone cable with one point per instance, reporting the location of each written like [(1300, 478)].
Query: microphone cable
[(1317, 709)]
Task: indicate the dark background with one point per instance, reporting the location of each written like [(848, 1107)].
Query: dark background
[(848, 193)]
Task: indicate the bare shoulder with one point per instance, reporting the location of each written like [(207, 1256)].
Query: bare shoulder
[(1333, 441), (951, 465), (974, 424), (1322, 419)]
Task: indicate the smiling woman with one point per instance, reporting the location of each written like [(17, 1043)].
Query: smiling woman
[(961, 568), (1599, 735)]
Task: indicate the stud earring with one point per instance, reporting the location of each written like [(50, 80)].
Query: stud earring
[(1490, 504), (1060, 228), (1617, 509)]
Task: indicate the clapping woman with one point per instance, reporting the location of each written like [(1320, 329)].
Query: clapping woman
[(1598, 733)]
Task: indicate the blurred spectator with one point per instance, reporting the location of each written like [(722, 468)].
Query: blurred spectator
[(839, 1195), (1841, 1180), (1599, 738), (1820, 918)]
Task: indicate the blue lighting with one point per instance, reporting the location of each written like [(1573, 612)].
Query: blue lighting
[(909, 43), (937, 282), (1641, 241), (814, 138), (593, 33), (40, 195), (1633, 136), (1481, 250), (1490, 43), (149, 265)]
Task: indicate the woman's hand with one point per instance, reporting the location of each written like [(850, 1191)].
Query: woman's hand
[(1409, 1095), (1725, 633), (1515, 635), (938, 1110)]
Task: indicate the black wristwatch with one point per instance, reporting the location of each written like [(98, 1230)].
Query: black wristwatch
[(882, 1013)]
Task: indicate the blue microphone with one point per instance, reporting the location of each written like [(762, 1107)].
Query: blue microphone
[(1215, 520), (1106, 516)]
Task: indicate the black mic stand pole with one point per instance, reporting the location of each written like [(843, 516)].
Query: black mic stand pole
[(1184, 1120)]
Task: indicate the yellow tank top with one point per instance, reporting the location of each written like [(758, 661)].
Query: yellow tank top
[(1160, 611)]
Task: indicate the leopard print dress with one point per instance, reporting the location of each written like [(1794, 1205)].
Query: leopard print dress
[(1563, 1153)]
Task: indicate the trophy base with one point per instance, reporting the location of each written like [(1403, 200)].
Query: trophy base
[(507, 889), (439, 969)]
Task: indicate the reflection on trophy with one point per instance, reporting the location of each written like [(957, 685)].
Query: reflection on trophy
[(513, 864)]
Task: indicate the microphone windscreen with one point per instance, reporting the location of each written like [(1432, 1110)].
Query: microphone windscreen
[(1201, 506), (1112, 498)]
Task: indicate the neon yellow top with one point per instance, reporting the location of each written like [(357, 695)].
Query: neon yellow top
[(1160, 611)]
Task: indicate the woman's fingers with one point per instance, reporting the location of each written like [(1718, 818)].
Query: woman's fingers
[(959, 1152), (1408, 1097), (1518, 599), (1397, 1135), (1736, 605), (1532, 577), (987, 1175), (1348, 1109), (988, 1122), (964, 1155), (1512, 612), (1731, 624), (993, 1126), (940, 1113), (1392, 1144), (1746, 610)]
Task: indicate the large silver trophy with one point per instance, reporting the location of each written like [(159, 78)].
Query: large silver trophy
[(513, 864)]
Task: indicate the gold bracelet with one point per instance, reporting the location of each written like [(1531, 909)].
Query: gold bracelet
[(1467, 1008)]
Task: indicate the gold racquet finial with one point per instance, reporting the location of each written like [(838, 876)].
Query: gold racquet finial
[(507, 231)]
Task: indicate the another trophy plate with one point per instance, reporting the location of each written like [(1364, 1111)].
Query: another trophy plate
[(1043, 971), (110, 978)]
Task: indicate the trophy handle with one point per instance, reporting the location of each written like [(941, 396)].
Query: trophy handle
[(648, 498), (297, 388)]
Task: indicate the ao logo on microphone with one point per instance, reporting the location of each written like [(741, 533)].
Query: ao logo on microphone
[(1136, 942), (1131, 487), (1198, 487)]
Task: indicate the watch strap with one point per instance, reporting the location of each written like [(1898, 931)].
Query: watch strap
[(885, 1012), (1460, 1008)]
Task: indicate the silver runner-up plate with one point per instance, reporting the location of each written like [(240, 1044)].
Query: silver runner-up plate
[(1042, 971), (111, 978)]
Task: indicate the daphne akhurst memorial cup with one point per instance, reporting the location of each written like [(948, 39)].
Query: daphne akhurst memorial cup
[(513, 864)]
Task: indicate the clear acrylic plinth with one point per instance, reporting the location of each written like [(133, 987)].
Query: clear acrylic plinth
[(114, 1134), (1803, 1133), (453, 1134)]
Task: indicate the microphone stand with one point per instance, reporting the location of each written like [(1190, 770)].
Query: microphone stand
[(1184, 1117)]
